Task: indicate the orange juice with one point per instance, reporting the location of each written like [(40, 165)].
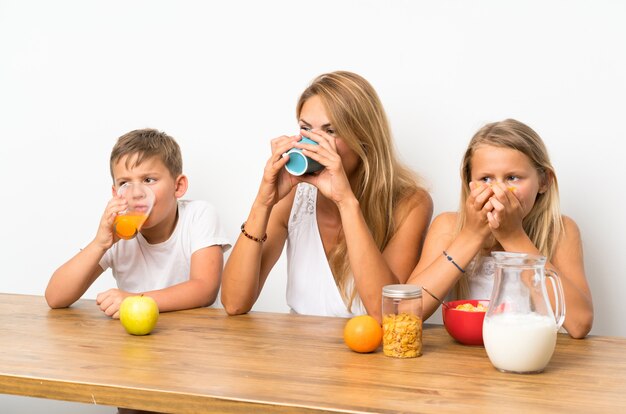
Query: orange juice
[(127, 225)]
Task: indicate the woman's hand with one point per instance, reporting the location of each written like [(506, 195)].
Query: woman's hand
[(332, 181), (277, 182), (505, 220)]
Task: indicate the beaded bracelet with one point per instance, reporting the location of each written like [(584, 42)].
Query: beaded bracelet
[(251, 237), (451, 260)]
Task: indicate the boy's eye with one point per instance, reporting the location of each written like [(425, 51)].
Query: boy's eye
[(512, 178), (149, 180)]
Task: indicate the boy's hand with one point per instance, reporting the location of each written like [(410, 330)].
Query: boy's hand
[(105, 237), (110, 301)]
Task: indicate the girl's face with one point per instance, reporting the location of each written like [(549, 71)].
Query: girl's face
[(510, 167), (313, 116)]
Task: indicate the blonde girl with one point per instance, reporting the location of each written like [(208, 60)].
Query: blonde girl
[(510, 202), (351, 228)]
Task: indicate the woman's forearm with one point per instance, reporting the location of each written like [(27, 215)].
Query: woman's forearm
[(241, 276), (369, 268)]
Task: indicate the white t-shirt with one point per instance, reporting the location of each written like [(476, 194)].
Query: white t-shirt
[(311, 287), (139, 266)]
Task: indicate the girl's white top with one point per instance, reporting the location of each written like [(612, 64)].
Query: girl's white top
[(480, 277), (311, 287)]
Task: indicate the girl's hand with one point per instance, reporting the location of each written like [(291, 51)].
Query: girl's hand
[(277, 182), (505, 220), (105, 236), (110, 301), (477, 208), (332, 181)]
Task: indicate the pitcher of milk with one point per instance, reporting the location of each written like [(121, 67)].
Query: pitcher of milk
[(520, 327)]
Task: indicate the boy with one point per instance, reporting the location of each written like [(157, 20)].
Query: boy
[(177, 256)]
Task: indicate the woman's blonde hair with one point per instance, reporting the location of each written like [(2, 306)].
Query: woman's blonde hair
[(358, 118), (543, 224)]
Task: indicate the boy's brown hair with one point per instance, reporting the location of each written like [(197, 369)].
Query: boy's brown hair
[(148, 143)]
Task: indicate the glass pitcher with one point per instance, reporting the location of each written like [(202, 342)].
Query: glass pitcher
[(519, 331)]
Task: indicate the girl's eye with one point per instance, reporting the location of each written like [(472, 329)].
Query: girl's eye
[(306, 128), (486, 180), (512, 178), (330, 131)]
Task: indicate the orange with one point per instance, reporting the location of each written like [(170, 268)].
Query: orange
[(362, 333)]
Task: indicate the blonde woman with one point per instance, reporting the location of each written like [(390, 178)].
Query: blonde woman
[(351, 228), (510, 202)]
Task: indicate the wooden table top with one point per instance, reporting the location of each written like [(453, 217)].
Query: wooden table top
[(202, 360)]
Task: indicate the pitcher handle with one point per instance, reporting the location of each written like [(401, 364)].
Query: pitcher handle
[(559, 298)]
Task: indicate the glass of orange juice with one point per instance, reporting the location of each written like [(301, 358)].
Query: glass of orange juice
[(140, 201)]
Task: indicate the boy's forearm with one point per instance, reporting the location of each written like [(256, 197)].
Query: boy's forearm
[(193, 293), (70, 281)]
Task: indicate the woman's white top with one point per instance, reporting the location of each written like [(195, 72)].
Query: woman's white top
[(311, 287)]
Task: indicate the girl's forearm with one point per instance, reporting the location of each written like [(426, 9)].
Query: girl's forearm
[(442, 274), (578, 306)]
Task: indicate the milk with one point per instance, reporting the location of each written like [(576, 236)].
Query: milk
[(519, 342)]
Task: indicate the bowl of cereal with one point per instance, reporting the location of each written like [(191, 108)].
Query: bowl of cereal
[(463, 320)]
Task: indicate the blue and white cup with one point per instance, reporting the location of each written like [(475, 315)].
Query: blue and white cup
[(300, 164)]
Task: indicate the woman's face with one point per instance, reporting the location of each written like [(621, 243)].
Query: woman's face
[(513, 168), (313, 116)]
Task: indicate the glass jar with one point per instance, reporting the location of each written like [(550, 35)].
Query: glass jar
[(402, 321)]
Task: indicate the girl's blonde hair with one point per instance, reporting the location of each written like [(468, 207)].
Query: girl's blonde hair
[(358, 118), (543, 224)]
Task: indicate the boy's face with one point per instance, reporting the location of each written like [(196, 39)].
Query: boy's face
[(154, 174)]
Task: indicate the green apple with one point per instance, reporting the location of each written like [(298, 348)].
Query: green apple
[(139, 314)]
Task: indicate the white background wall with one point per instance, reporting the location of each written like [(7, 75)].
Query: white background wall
[(223, 79)]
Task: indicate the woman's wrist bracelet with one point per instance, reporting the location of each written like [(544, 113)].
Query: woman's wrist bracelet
[(451, 260), (251, 237)]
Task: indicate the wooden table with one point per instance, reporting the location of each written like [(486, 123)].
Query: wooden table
[(205, 361)]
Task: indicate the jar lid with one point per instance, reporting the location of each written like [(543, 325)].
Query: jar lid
[(402, 291)]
